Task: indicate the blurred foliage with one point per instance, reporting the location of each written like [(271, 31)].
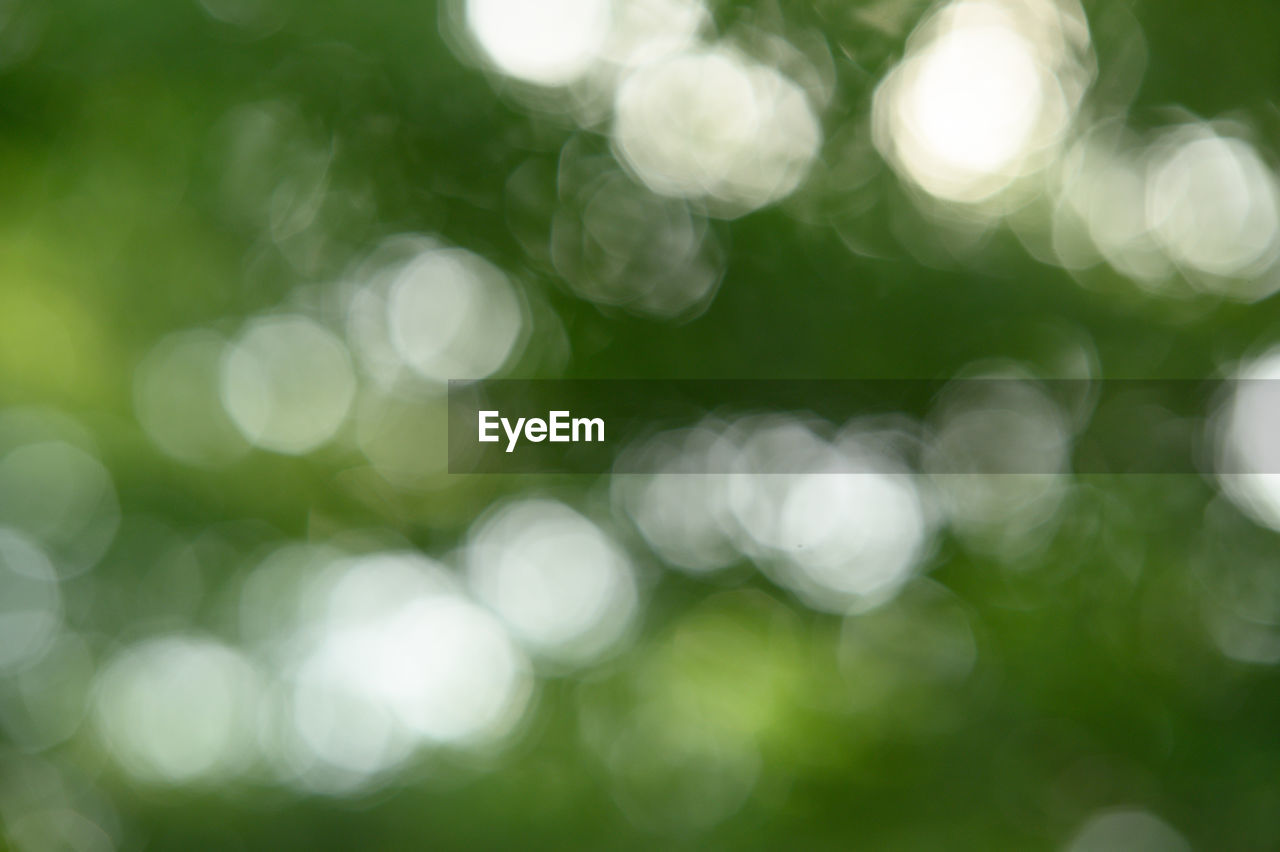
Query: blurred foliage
[(1095, 683)]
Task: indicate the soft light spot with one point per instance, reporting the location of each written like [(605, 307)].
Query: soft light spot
[(179, 709), (711, 124), (423, 311), (999, 461), (63, 498), (839, 523), (562, 585), (30, 602), (682, 509), (1213, 204), (396, 658), (1127, 830), (175, 395), (287, 383)]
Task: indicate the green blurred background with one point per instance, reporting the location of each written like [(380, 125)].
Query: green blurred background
[(243, 244)]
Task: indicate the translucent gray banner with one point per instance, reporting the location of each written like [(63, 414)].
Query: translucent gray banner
[(991, 425)]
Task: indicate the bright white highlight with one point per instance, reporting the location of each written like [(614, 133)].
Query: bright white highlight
[(645, 30), (714, 125), (580, 43), (987, 88), (1248, 445), (548, 42), (179, 709), (287, 383), (975, 99), (397, 658), (562, 585)]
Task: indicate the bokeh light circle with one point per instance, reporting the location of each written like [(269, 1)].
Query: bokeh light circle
[(556, 578), (287, 383)]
